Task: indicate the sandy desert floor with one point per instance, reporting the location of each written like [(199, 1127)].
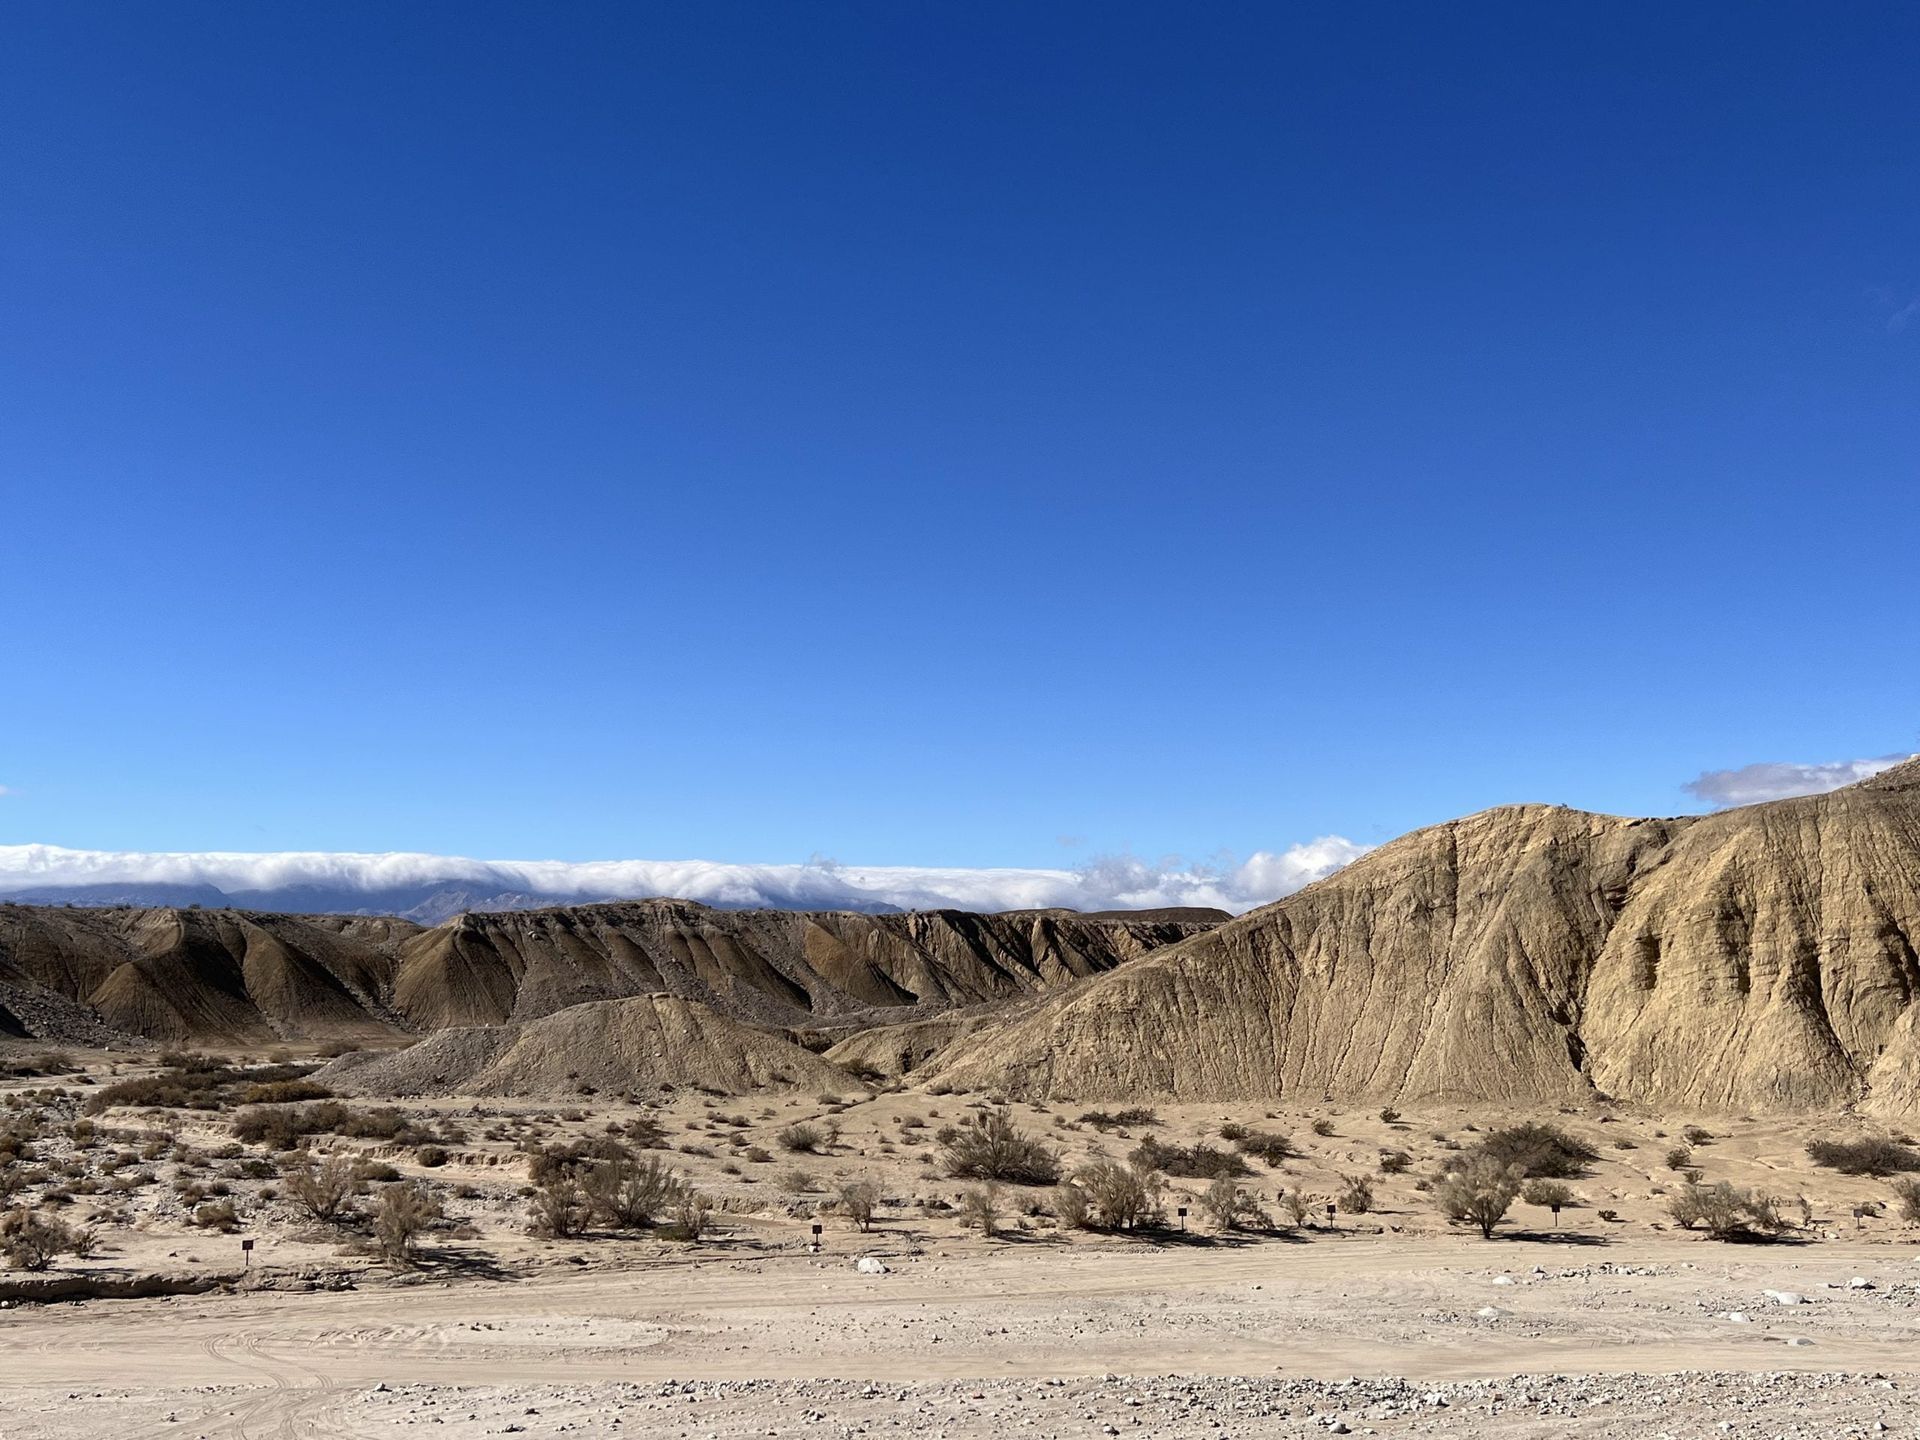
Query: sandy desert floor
[(1393, 1323), (1385, 1337)]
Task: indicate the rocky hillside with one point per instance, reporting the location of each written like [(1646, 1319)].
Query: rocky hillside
[(1760, 958), (235, 977), (603, 1047)]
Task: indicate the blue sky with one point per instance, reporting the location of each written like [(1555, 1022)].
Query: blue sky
[(944, 434)]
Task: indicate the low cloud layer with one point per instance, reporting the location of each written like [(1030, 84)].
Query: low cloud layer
[(405, 882), (1769, 780)]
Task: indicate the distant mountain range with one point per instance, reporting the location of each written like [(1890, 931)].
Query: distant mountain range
[(432, 888), (426, 904)]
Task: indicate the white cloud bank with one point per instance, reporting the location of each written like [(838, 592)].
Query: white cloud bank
[(318, 880), (1752, 784)]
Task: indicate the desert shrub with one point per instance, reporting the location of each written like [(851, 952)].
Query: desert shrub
[(800, 1182), (980, 1208), (1104, 1120), (1298, 1206), (1119, 1197), (1480, 1192), (192, 1082), (1390, 1116), (285, 1127), (1907, 1193), (801, 1138), (1678, 1158), (1071, 1207), (992, 1148), (1229, 1206), (629, 1193), (1543, 1152), (1726, 1213), (281, 1092), (1874, 1155), (689, 1217), (1322, 1128), (559, 1208), (545, 1162), (32, 1241), (1188, 1162), (1694, 1135), (1356, 1194), (643, 1132), (1274, 1149), (1395, 1162), (326, 1190), (858, 1198), (431, 1157), (1548, 1195), (217, 1215), (404, 1211), (1609, 1215)]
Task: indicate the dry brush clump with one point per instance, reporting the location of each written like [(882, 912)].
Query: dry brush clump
[(32, 1241), (859, 1199), (1104, 1120), (1728, 1213), (1542, 1152), (630, 1193), (1188, 1162), (325, 1190), (403, 1213), (1105, 1195), (1548, 1195), (980, 1208), (1872, 1155), (1480, 1192), (1231, 1207), (993, 1148)]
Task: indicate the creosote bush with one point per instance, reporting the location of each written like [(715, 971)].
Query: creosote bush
[(404, 1211), (1274, 1149), (801, 1138), (1117, 1197), (1873, 1155), (1543, 1152), (858, 1198), (1907, 1193), (1727, 1213), (1229, 1206), (560, 1209), (629, 1194), (1548, 1195), (1356, 1194), (325, 1190), (1104, 1120), (1299, 1207), (992, 1148), (1188, 1162), (980, 1208), (1479, 1192), (31, 1241)]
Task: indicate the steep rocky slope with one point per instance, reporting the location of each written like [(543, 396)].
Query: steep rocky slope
[(610, 1046), (1761, 958), (220, 977)]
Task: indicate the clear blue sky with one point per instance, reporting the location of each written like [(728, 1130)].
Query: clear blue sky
[(919, 433)]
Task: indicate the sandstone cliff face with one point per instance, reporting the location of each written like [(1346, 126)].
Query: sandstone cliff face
[(1769, 961), (1761, 958), (236, 977), (1450, 962)]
